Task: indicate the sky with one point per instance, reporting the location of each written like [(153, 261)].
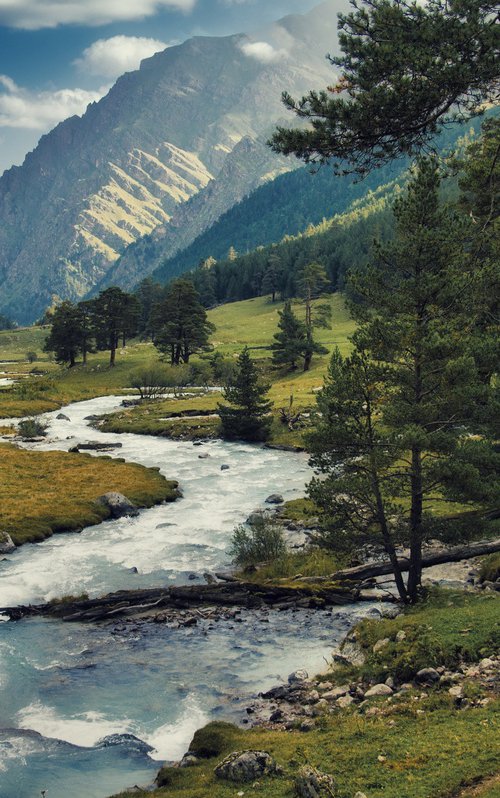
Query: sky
[(57, 56)]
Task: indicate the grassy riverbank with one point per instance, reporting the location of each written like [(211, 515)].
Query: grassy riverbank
[(418, 743), (46, 492)]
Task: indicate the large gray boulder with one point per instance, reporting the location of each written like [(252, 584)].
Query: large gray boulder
[(6, 543), (245, 766), (118, 504), (275, 498), (312, 783)]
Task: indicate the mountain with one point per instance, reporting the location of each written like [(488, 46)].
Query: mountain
[(192, 118)]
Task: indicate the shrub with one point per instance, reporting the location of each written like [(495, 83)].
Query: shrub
[(31, 357), (32, 428), (213, 740), (490, 568), (262, 542), (152, 382)]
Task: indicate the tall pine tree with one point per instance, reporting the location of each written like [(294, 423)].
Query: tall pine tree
[(290, 341), (247, 416)]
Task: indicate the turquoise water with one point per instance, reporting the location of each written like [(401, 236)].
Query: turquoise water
[(88, 710)]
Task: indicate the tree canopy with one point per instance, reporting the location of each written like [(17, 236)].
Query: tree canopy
[(405, 68)]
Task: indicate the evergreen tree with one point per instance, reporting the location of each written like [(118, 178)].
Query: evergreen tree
[(405, 68), (66, 334), (181, 323), (115, 315), (313, 281), (86, 321), (290, 341), (247, 417), (418, 324), (353, 448), (147, 292), (273, 277)]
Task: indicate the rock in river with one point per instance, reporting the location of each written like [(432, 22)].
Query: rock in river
[(118, 505), (6, 543)]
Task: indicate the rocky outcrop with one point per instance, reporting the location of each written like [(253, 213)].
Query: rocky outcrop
[(312, 783), (244, 766)]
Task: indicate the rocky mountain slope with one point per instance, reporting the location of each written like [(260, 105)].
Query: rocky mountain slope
[(192, 116)]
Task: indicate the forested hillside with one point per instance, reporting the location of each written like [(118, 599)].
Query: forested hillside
[(289, 206)]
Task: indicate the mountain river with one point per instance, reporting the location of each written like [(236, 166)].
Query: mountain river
[(88, 710)]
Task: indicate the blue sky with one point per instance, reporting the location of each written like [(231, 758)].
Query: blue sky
[(56, 56)]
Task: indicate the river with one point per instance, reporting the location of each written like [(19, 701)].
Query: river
[(87, 710)]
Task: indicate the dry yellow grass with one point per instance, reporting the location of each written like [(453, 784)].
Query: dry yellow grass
[(46, 492)]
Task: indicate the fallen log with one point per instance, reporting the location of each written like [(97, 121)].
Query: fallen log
[(225, 594), (454, 554)]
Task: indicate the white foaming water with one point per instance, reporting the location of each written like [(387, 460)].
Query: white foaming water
[(164, 542), (171, 740), (85, 729)]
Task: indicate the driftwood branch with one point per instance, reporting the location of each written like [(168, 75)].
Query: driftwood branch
[(454, 554)]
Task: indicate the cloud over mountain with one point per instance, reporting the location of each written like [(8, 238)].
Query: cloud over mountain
[(37, 14), (110, 58), (21, 108)]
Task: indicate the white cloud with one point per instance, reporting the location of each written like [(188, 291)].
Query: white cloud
[(263, 51), (109, 58), (30, 110), (36, 14)]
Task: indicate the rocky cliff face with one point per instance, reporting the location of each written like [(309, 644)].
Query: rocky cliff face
[(191, 121)]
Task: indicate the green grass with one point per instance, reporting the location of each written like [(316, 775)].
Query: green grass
[(251, 323), (443, 630), (310, 562), (46, 492), (426, 756)]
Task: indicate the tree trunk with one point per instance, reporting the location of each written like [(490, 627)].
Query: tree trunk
[(415, 573)]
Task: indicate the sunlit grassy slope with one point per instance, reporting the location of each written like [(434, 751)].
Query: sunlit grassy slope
[(251, 323)]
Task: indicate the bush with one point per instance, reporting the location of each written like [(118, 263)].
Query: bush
[(152, 382), (32, 428), (263, 542), (31, 357), (213, 740), (490, 568)]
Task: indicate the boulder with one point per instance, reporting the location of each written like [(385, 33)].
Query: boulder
[(427, 676), (244, 766), (298, 676), (118, 504), (62, 417), (312, 783), (275, 498), (378, 689), (225, 467), (6, 543), (380, 644), (344, 701), (254, 519), (203, 456), (336, 692)]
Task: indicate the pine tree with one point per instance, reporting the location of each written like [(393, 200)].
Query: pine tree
[(181, 323), (312, 283), (273, 277), (405, 69), (116, 315), (355, 451), (247, 417), (66, 334), (419, 321), (290, 342)]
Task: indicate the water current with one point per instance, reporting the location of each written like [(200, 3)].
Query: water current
[(88, 710)]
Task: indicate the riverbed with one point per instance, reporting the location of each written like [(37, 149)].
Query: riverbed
[(87, 710)]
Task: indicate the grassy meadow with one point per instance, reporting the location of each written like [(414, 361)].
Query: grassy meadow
[(252, 323), (46, 492)]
